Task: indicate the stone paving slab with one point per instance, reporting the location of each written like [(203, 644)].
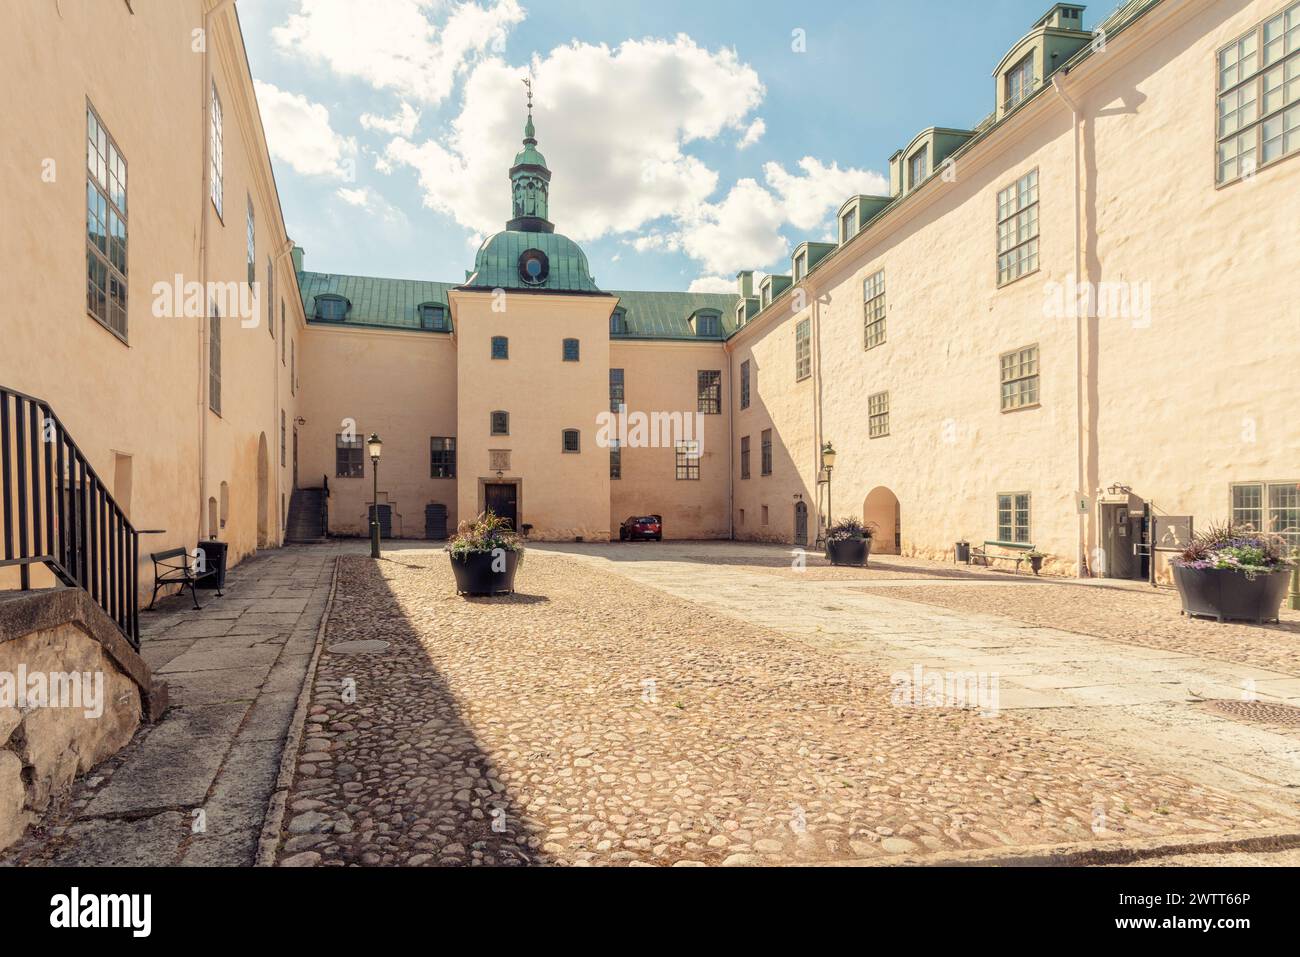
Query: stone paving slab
[(235, 669)]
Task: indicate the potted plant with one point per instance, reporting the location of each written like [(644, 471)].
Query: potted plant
[(848, 542), (485, 554), (1035, 560), (1232, 572)]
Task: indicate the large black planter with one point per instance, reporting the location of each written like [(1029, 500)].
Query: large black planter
[(850, 551), (474, 574), (1225, 594)]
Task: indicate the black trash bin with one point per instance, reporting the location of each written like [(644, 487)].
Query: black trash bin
[(962, 550), (214, 559)]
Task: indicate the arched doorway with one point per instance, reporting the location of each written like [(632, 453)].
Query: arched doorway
[(881, 509), (800, 523), (263, 494)]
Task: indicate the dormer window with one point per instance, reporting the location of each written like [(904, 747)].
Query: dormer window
[(618, 322), (800, 266), (433, 316), (765, 296), (918, 167), (848, 225), (710, 323), (1020, 82), (332, 308)]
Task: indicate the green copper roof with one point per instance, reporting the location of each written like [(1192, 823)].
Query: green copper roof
[(497, 264), (384, 303), (666, 315)]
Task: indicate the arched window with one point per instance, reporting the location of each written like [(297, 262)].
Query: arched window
[(572, 440), (332, 308), (500, 347), (500, 423), (433, 316), (570, 350)]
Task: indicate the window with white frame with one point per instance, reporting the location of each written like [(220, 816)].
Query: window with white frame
[(1258, 97), (1018, 228), (918, 166), (1269, 507), (878, 415), (105, 227), (803, 349), (1020, 82), (216, 156), (848, 225), (1013, 517), (873, 310), (800, 266), (1019, 378)]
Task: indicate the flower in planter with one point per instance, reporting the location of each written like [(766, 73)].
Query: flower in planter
[(485, 534), (850, 529), (1234, 548)]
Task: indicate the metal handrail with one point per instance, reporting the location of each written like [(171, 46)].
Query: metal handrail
[(62, 513)]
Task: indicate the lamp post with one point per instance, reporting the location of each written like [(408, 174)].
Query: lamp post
[(828, 463), (375, 446)]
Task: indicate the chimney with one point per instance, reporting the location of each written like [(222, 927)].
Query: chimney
[(297, 255), (746, 277)]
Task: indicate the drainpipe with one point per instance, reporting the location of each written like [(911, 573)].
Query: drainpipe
[(731, 444), (817, 419), (1058, 85), (205, 146)]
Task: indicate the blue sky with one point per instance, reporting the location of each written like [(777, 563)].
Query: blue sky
[(686, 139)]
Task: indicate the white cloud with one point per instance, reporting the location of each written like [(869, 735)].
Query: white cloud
[(808, 196), (713, 284), (403, 123), (366, 199), (298, 132), (394, 44), (618, 161), (753, 134)]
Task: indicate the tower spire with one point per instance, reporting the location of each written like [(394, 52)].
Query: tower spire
[(530, 180)]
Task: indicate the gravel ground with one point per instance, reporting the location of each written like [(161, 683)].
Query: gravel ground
[(589, 720)]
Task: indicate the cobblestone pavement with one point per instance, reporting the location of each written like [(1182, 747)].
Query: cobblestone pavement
[(593, 718), (193, 788)]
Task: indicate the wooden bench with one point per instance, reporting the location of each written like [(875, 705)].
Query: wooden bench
[(980, 554), (167, 571)]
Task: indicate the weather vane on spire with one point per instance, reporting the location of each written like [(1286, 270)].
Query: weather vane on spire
[(528, 82)]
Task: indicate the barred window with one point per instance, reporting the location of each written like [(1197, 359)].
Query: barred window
[(1258, 97), (1018, 228), (1013, 517), (500, 423), (873, 309), (765, 463), (709, 391), (744, 384), (878, 415), (349, 460), (803, 349), (1019, 378), (615, 460), (1269, 507), (214, 360), (570, 350), (688, 461), (744, 456), (216, 158), (616, 390), (500, 347), (433, 316), (105, 228), (442, 457), (571, 440)]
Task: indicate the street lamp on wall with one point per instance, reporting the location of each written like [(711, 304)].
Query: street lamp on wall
[(375, 446)]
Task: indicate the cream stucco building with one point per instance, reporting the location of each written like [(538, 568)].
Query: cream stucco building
[(940, 343)]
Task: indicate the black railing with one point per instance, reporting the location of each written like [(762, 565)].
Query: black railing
[(58, 513)]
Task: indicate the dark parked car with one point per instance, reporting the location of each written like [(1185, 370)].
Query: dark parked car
[(648, 527)]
